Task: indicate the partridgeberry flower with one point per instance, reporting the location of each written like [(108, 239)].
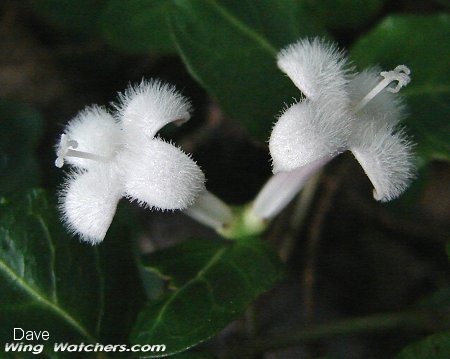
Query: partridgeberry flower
[(119, 155), (342, 110)]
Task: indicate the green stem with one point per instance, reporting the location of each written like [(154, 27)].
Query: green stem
[(243, 224)]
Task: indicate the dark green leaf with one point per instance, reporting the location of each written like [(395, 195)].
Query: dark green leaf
[(76, 15), (152, 282), (194, 355), (137, 26), (124, 292), (436, 346), (222, 279), (345, 14), (428, 122), (181, 263), (407, 203), (230, 48), (21, 131), (49, 281), (422, 43), (439, 299), (445, 3)]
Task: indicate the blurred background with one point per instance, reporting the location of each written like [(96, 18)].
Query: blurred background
[(350, 256)]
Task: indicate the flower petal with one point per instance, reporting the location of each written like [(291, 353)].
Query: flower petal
[(308, 131), (88, 202), (95, 131), (386, 157), (316, 67), (386, 106), (161, 176), (149, 106)]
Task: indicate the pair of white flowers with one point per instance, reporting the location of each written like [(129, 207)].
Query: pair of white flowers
[(118, 155)]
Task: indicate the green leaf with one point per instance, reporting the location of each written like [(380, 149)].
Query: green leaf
[(124, 292), (420, 42), (439, 299), (345, 14), (408, 201), (428, 122), (80, 16), (194, 355), (220, 281), (181, 263), (152, 282), (137, 26), (21, 131), (230, 48), (48, 281), (445, 3), (436, 346)]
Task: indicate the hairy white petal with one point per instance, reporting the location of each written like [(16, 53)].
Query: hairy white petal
[(386, 106), (96, 132), (146, 108), (386, 157), (161, 175), (89, 200), (316, 67), (308, 131)]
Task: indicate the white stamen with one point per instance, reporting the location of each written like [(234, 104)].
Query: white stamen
[(400, 74), (65, 150), (85, 155)]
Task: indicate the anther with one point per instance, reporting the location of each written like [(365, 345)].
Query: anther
[(400, 74), (65, 149)]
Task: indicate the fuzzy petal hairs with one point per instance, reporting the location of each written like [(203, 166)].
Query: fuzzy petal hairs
[(115, 157), (343, 110)]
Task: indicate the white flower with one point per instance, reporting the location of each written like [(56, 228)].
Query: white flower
[(116, 157), (343, 110)]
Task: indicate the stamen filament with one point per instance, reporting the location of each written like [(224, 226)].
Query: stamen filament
[(86, 155), (399, 74), (64, 151)]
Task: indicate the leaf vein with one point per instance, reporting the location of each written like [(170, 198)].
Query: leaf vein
[(39, 297), (243, 28), (199, 276)]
